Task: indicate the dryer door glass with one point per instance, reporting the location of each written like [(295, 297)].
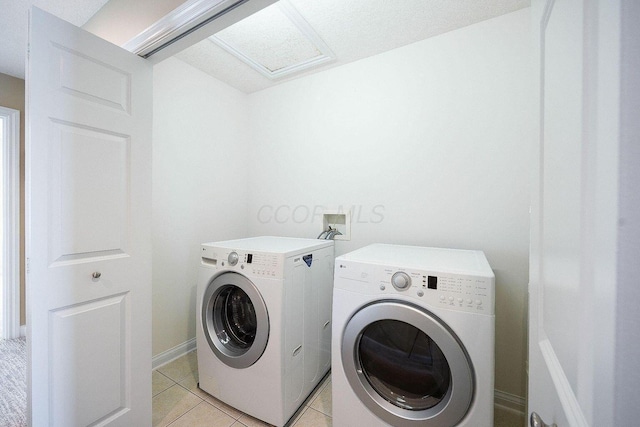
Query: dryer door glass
[(404, 365)]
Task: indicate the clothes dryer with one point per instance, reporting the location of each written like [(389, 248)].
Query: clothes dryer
[(413, 338), (263, 331)]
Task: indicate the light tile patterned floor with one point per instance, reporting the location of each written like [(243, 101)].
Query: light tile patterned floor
[(178, 402)]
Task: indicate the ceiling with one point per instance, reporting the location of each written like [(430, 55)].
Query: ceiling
[(350, 29), (288, 35)]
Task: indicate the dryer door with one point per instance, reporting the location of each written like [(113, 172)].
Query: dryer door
[(235, 320), (407, 366)]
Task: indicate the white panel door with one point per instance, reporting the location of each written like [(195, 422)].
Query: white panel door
[(573, 221), (89, 106)]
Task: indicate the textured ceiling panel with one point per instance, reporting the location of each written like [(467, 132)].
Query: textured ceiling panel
[(354, 29), (271, 39), (225, 67)]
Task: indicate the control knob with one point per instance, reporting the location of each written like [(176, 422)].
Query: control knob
[(233, 258), (401, 280)]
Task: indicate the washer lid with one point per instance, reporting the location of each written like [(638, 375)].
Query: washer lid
[(280, 245)]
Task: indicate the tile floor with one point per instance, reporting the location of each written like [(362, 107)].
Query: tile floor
[(178, 402)]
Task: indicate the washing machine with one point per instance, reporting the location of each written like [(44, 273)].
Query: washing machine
[(413, 338), (263, 323)]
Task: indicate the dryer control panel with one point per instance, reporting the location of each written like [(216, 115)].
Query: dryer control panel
[(454, 291), (461, 292)]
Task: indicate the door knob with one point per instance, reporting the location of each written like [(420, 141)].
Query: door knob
[(96, 275), (536, 421)]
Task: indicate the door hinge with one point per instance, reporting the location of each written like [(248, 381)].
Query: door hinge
[(28, 265)]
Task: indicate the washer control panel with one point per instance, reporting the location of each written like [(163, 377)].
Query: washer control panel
[(233, 258), (263, 264), (268, 265)]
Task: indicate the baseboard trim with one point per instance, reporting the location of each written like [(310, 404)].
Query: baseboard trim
[(23, 330), (173, 353), (510, 401)]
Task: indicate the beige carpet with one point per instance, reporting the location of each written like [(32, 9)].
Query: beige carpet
[(13, 383)]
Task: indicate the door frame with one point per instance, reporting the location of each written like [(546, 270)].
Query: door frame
[(10, 223), (592, 401)]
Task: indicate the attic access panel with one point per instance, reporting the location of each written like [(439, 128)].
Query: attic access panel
[(277, 41)]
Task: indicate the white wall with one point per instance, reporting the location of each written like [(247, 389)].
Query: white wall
[(199, 187), (12, 95), (430, 145)]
